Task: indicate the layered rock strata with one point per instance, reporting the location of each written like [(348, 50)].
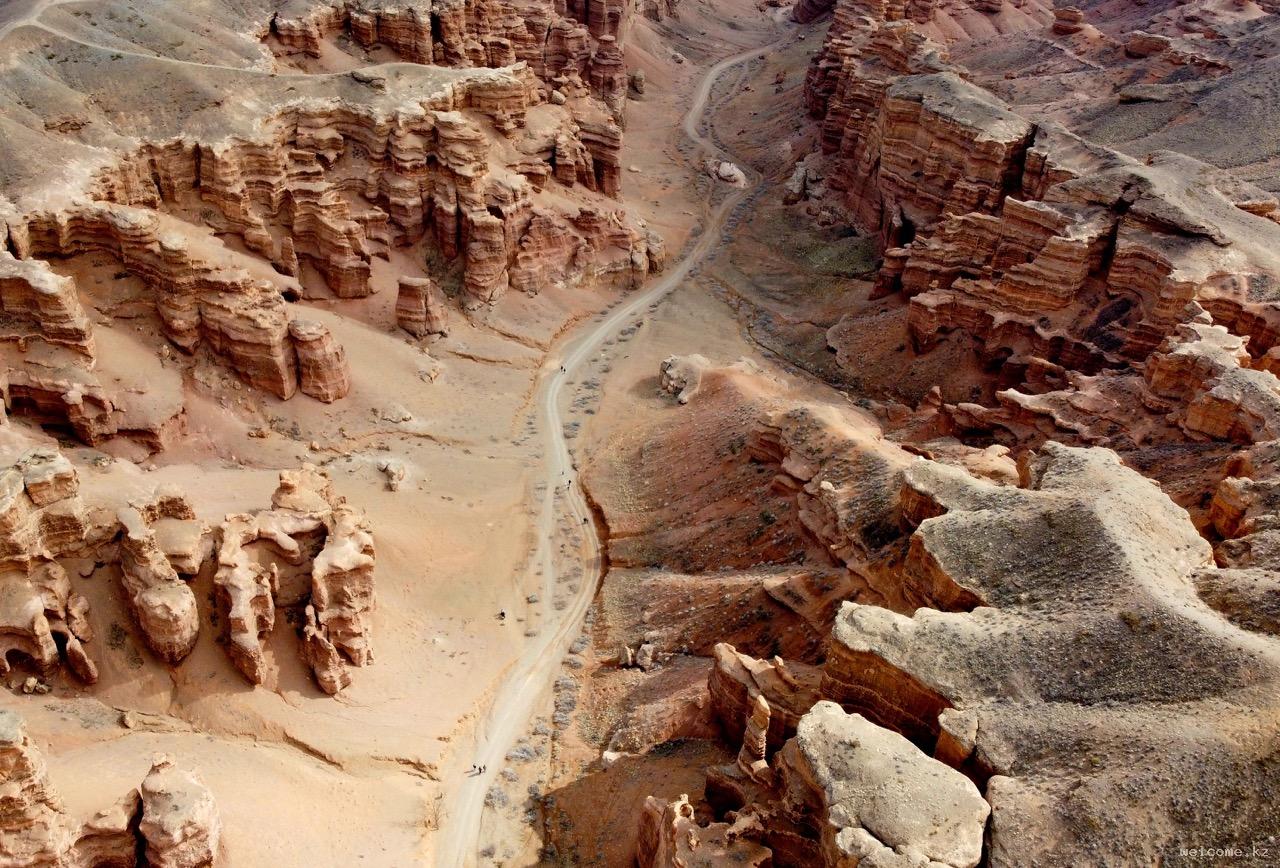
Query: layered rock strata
[(1009, 621), (560, 43), (420, 307), (1058, 258), (449, 153), (876, 796), (162, 604)]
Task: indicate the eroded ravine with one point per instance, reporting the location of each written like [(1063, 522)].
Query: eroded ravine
[(534, 670)]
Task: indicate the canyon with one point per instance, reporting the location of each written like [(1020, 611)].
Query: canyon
[(639, 432)]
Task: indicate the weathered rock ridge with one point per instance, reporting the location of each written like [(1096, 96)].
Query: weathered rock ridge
[(159, 545), (1058, 258), (308, 523), (1017, 637), (453, 153)]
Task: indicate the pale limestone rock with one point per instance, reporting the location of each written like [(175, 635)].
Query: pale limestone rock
[(879, 798), (180, 822)]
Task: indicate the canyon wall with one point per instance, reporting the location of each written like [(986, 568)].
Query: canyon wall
[(1035, 587), (1059, 258), (997, 648), (491, 140)]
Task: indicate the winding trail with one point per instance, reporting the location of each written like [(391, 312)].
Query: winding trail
[(532, 673)]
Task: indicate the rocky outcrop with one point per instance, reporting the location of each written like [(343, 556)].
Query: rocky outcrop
[(342, 585), (1140, 44), (173, 822), (322, 362), (240, 319), (1057, 256), (681, 376), (1001, 622), (1115, 563), (42, 619), (307, 524), (161, 541), (607, 75), (1200, 385), (1006, 695), (41, 305), (737, 680), (162, 604), (421, 308), (670, 837), (1204, 374), (810, 10), (323, 175), (491, 33), (876, 797), (932, 145), (245, 595), (42, 518), (180, 824), (1068, 20)]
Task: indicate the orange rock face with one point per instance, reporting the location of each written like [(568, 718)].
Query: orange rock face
[(1061, 259), (420, 307), (42, 518)]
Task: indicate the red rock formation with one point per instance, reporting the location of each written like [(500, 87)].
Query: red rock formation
[(1068, 20), (163, 605), (322, 363), (180, 824), (245, 595), (240, 319), (40, 305), (421, 308), (42, 518), (670, 837), (790, 690), (332, 171), (607, 75), (1022, 659), (807, 11), (338, 618), (1053, 253)]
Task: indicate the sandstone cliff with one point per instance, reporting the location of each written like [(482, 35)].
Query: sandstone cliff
[(449, 154)]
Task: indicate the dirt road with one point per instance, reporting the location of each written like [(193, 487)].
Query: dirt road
[(538, 665)]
